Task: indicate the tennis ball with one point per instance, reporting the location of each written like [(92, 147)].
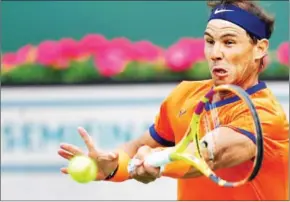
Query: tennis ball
[(82, 169)]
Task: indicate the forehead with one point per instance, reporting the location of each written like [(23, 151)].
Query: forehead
[(219, 27)]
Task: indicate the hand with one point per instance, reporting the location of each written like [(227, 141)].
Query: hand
[(106, 162), (144, 173)]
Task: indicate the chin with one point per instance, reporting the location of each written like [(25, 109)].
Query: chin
[(218, 82)]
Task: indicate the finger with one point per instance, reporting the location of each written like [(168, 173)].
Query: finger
[(142, 152), (147, 171), (145, 180), (87, 139), (136, 162), (65, 154), (113, 155), (142, 178), (72, 149), (64, 170), (141, 171), (152, 170), (133, 173)]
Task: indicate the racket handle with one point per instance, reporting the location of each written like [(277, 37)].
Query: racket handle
[(158, 159)]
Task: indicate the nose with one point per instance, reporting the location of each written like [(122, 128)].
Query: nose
[(216, 53)]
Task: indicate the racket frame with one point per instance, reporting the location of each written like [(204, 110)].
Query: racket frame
[(193, 136)]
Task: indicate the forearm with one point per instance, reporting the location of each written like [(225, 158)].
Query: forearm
[(132, 146), (231, 149)]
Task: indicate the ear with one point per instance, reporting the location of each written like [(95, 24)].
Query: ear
[(263, 63), (261, 49)]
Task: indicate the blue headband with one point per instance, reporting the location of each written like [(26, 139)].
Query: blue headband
[(242, 18)]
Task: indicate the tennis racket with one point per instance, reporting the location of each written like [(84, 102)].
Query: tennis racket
[(161, 158)]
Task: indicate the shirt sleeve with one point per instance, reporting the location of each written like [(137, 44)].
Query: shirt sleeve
[(161, 130)]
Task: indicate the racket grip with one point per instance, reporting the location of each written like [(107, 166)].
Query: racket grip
[(158, 159)]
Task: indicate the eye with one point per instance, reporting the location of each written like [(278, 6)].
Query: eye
[(229, 42), (209, 41)]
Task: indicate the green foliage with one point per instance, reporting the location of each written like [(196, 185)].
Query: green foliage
[(31, 74), (85, 72), (80, 72), (276, 71)]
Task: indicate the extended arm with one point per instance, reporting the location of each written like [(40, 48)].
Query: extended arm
[(111, 165), (132, 146)]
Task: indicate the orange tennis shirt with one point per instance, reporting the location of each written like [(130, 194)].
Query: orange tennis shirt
[(272, 181)]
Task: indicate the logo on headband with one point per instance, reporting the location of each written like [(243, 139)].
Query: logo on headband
[(221, 11)]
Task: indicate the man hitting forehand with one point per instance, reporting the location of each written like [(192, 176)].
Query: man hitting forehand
[(236, 41)]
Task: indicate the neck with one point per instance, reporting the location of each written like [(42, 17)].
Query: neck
[(244, 84)]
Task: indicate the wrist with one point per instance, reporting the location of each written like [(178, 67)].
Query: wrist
[(120, 174), (113, 173)]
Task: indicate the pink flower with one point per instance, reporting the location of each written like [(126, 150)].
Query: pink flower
[(49, 53), (9, 60), (124, 44), (61, 63), (146, 51), (92, 43), (197, 48), (70, 48), (283, 53), (181, 56), (26, 54), (111, 60)]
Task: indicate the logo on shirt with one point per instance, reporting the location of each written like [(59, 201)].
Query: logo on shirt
[(221, 11), (181, 112)]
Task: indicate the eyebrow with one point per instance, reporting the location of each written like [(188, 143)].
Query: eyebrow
[(223, 36)]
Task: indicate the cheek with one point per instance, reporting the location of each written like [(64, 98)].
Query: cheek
[(234, 58), (207, 53), (240, 70), (239, 62)]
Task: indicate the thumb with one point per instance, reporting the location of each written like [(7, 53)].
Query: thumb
[(113, 155), (136, 162)]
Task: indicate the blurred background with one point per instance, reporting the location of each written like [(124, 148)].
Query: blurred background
[(105, 66)]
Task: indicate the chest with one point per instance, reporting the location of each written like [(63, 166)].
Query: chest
[(209, 119)]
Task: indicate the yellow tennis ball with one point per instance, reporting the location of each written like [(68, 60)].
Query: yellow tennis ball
[(82, 169)]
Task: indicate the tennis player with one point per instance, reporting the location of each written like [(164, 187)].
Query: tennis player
[(237, 39)]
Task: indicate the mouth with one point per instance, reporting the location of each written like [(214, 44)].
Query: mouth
[(219, 71)]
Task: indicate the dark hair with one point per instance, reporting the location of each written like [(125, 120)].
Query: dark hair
[(251, 7)]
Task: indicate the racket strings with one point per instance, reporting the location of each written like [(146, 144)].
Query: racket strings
[(211, 122), (204, 129)]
